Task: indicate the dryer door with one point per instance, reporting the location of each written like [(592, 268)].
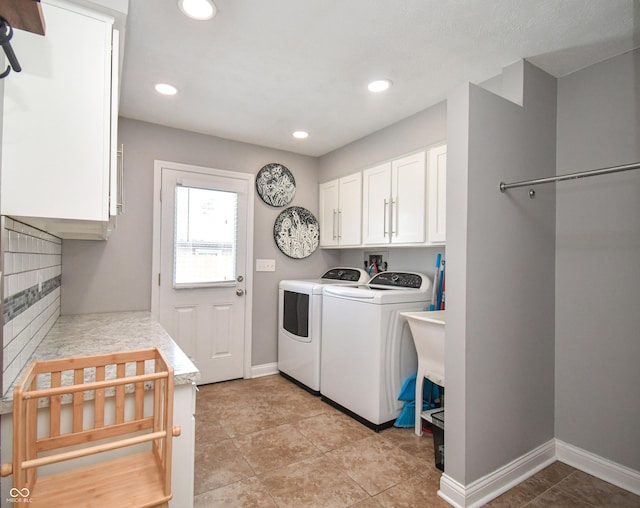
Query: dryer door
[(295, 315)]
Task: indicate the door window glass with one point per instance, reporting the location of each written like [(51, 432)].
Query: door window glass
[(205, 237)]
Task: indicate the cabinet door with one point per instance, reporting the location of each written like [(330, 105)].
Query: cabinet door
[(350, 211), (55, 158), (437, 193), (328, 204), (408, 188), (376, 190)]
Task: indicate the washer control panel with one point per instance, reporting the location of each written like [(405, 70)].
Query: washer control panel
[(391, 280)]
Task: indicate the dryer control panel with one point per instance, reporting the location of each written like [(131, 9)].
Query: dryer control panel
[(399, 280), (348, 274)]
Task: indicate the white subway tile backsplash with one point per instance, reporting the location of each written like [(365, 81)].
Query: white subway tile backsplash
[(31, 292)]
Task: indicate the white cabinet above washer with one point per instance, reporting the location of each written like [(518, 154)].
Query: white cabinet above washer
[(340, 211), (437, 194), (394, 200)]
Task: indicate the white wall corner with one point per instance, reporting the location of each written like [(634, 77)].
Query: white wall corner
[(509, 84), (609, 471), (266, 369), (483, 490)]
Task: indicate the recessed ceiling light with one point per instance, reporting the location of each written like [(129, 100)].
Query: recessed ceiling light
[(166, 89), (300, 134), (198, 9), (379, 86)]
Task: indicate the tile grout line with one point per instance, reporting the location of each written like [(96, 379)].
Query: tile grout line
[(556, 487)]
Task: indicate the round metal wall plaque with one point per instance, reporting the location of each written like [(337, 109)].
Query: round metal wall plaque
[(276, 185), (296, 232)]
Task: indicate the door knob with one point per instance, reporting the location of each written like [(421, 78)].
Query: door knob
[(239, 292)]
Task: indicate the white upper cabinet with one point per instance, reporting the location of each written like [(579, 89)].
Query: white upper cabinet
[(329, 200), (394, 202), (340, 211), (437, 193), (376, 202), (408, 180), (59, 124)]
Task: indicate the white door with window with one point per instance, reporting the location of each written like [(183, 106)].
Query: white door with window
[(201, 259)]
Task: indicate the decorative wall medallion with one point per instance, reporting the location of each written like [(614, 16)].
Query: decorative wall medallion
[(275, 184), (296, 232)]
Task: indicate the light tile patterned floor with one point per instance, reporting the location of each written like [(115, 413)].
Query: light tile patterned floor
[(266, 442)]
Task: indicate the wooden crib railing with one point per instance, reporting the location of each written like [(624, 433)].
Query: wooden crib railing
[(96, 404)]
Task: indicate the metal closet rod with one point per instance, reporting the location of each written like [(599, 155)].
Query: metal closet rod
[(572, 176)]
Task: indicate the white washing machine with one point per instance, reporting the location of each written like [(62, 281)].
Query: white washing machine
[(367, 347), (300, 322)]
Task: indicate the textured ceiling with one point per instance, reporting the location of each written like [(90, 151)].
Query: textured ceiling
[(261, 69)]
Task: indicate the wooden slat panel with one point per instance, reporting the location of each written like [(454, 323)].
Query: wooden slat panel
[(98, 417), (139, 412), (157, 404), (120, 373), (19, 430), (54, 406), (91, 450), (168, 425), (157, 415), (31, 415), (95, 360), (52, 443), (48, 392), (78, 401)]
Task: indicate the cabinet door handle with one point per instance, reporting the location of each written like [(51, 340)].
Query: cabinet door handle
[(384, 220), (120, 204), (335, 213), (339, 224), (394, 216)]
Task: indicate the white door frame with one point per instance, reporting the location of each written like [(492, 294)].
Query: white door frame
[(248, 269)]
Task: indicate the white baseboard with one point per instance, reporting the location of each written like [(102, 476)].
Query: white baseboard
[(599, 467), (266, 369), (496, 483), (499, 481)]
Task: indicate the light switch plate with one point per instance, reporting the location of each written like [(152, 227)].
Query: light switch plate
[(265, 265)]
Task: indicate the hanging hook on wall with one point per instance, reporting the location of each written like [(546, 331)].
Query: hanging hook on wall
[(6, 33)]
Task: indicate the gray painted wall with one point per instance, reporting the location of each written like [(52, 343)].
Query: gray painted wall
[(414, 259), (116, 275), (598, 262), (457, 224), (429, 127), (500, 289)]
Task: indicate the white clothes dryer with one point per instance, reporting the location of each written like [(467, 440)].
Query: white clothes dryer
[(300, 322), (367, 347)]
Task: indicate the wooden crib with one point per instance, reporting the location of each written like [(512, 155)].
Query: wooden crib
[(67, 410)]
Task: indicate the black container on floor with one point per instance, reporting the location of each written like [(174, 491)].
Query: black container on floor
[(438, 438)]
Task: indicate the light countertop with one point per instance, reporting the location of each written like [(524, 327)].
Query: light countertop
[(94, 334)]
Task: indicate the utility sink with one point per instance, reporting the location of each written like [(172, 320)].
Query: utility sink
[(427, 329)]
